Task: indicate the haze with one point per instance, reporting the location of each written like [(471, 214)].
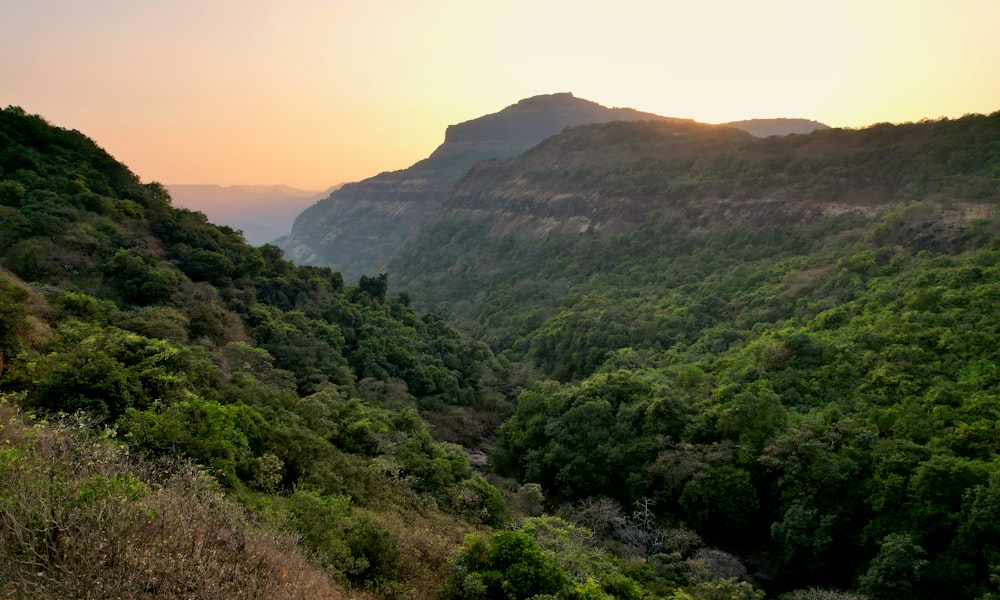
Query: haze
[(312, 93)]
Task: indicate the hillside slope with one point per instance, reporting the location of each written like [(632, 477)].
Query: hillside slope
[(137, 338), (613, 176), (782, 127), (786, 344), (778, 369), (357, 227), (298, 395)]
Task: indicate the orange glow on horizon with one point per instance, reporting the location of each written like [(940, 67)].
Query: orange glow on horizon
[(312, 93)]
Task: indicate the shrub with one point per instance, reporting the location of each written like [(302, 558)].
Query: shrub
[(81, 518)]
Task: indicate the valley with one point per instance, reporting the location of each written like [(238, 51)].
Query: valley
[(696, 363)]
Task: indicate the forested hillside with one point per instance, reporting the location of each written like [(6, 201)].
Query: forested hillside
[(789, 345), (777, 376), (173, 338)]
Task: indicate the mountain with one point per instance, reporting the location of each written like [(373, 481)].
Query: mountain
[(608, 180), (262, 212), (616, 175), (788, 344), (358, 227)]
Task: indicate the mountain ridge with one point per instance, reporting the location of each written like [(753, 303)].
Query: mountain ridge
[(778, 126), (613, 175), (359, 226)]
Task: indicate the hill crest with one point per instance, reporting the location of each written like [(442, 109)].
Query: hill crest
[(615, 175)]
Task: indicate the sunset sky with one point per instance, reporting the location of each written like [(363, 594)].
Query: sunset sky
[(311, 93)]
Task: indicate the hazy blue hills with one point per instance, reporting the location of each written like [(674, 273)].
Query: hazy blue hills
[(262, 212)]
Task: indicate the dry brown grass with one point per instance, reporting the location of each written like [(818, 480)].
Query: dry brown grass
[(428, 541), (81, 519), (39, 311)]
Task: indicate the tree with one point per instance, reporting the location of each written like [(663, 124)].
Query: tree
[(640, 532), (719, 589), (138, 280), (895, 570), (223, 437), (720, 502), (375, 287), (509, 566)]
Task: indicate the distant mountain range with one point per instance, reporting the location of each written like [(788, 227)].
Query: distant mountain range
[(262, 212), (358, 227)]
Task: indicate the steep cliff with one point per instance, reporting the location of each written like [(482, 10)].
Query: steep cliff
[(358, 227)]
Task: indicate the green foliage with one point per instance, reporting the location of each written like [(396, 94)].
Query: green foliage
[(478, 501), (821, 594), (138, 280), (720, 589), (596, 574), (583, 440), (13, 319), (548, 557), (224, 438), (107, 370), (510, 565), (804, 392), (720, 501), (359, 551), (895, 570), (374, 286), (83, 517), (805, 537), (846, 372), (188, 342)]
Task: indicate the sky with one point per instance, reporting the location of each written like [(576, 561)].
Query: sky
[(313, 93)]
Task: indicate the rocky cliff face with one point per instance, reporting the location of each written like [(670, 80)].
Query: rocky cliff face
[(356, 229)]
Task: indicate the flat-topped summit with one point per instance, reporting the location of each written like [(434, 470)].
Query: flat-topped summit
[(358, 227)]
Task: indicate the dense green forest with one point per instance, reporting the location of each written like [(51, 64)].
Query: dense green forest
[(172, 337), (819, 395), (682, 413)]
